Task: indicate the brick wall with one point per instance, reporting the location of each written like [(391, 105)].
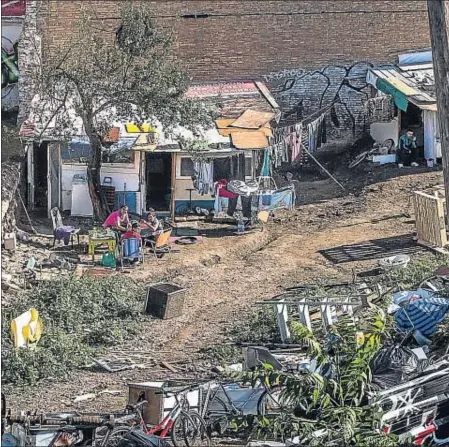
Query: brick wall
[(241, 39), (312, 53)]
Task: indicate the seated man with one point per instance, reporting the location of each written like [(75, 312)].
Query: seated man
[(407, 152), (118, 221)]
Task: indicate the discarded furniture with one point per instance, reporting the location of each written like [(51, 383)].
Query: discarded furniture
[(165, 300), (159, 405), (97, 238), (305, 304), (161, 245), (58, 225), (430, 219), (131, 249)]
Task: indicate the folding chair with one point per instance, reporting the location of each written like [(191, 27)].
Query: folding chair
[(131, 249), (57, 223), (161, 245)]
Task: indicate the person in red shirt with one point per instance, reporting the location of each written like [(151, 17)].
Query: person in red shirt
[(133, 233)]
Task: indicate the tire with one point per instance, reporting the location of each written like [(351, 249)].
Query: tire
[(218, 423), (357, 160), (116, 435), (201, 438), (182, 430)]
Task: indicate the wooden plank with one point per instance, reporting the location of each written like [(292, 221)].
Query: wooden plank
[(439, 250)]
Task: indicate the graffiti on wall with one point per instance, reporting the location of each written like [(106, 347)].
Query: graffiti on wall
[(338, 89), (13, 12), (10, 66)]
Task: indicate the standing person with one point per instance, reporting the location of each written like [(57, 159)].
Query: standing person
[(407, 152)]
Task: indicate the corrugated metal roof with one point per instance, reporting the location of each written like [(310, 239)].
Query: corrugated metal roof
[(222, 89), (417, 84), (249, 140)]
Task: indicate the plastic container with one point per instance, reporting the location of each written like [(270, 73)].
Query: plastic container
[(430, 163), (240, 227)]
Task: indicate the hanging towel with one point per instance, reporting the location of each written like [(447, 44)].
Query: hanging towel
[(265, 172)]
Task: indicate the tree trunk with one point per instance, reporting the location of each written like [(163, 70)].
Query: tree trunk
[(99, 202), (439, 31)]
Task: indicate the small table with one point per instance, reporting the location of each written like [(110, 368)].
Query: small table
[(100, 238)]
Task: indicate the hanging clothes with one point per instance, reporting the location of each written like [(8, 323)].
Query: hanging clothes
[(203, 180), (296, 143), (315, 133), (265, 171)]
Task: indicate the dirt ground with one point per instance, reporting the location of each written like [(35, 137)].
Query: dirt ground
[(225, 275)]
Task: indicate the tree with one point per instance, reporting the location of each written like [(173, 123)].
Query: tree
[(439, 29), (105, 76), (328, 406)]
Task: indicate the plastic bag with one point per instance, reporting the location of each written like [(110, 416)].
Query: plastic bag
[(108, 260)]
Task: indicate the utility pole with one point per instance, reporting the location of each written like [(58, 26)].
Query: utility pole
[(439, 33)]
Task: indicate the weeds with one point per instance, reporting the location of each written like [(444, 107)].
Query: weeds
[(80, 316)]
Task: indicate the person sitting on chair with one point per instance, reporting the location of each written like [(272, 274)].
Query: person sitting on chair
[(133, 233), (118, 220), (151, 222)]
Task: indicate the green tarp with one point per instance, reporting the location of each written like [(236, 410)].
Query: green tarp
[(399, 98)]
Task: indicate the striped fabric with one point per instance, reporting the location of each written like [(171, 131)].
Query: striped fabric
[(423, 314)]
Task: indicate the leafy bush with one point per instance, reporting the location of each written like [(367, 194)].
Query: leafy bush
[(80, 316)]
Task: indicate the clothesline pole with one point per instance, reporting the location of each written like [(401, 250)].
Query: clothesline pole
[(324, 169)]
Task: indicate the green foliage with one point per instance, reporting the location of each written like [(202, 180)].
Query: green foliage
[(80, 316), (261, 327), (223, 354), (327, 406)]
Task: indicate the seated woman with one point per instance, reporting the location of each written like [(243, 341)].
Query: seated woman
[(118, 221), (151, 226)]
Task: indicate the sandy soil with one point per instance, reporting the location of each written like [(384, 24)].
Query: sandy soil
[(224, 276)]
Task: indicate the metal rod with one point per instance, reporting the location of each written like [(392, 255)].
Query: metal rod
[(324, 169)]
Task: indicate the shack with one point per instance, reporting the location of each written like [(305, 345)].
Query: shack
[(411, 86), (144, 168)]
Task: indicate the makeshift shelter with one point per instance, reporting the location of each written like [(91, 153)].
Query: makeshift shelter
[(145, 168), (411, 85)]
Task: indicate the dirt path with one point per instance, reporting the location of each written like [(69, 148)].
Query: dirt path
[(224, 277)]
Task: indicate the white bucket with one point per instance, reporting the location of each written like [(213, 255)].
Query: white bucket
[(430, 163)]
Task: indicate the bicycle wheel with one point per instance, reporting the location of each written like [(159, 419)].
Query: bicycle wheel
[(357, 160), (115, 436), (182, 430), (201, 437), (217, 418)]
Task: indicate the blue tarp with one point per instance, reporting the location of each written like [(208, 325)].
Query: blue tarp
[(422, 314)]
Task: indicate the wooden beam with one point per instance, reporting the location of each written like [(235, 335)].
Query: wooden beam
[(438, 11)]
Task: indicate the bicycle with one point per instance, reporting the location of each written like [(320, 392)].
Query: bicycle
[(219, 407), (181, 423)]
